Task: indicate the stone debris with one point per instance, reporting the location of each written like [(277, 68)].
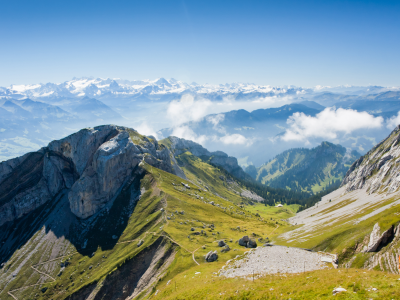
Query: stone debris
[(211, 256), (140, 243), (221, 243), (338, 290), (271, 260), (251, 195), (185, 185)]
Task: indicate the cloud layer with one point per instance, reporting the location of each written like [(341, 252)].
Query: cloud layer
[(328, 124), (393, 121)]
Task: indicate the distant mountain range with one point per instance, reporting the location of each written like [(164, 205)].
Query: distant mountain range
[(26, 125), (306, 170), (160, 88), (32, 115)]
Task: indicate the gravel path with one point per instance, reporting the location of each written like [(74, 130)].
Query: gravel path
[(275, 259)]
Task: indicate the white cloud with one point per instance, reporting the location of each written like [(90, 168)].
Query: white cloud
[(187, 109), (186, 133), (215, 119), (146, 129), (393, 121), (328, 123), (235, 139)]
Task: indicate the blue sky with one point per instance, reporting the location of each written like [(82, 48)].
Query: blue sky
[(304, 43)]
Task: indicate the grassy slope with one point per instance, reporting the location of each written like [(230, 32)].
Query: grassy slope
[(181, 281), (306, 169), (311, 285), (78, 274), (147, 217), (343, 236)]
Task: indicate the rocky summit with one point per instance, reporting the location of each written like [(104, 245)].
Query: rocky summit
[(92, 165)]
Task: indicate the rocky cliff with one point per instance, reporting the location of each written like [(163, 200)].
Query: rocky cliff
[(379, 169), (218, 158), (92, 165)]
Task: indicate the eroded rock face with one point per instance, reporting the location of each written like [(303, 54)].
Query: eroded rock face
[(93, 164), (377, 239), (379, 169)]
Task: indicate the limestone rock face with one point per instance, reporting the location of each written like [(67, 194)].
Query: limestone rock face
[(376, 239), (112, 165), (92, 165), (379, 169)]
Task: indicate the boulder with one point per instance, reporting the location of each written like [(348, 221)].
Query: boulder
[(252, 244), (247, 242), (243, 241), (211, 256), (221, 243)]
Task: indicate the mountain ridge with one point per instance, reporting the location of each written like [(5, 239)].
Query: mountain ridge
[(304, 169)]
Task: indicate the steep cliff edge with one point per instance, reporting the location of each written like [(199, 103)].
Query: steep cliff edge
[(379, 169), (92, 164)]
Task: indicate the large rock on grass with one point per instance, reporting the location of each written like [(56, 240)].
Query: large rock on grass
[(245, 241), (211, 256)]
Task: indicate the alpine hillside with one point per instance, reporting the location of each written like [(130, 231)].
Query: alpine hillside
[(360, 221), (306, 170)]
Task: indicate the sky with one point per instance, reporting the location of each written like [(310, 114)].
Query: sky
[(302, 43)]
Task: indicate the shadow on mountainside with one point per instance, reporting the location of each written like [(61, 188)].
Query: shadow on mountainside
[(55, 218)]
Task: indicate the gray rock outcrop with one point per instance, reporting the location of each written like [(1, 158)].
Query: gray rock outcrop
[(377, 170), (211, 256), (377, 239), (92, 165)]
